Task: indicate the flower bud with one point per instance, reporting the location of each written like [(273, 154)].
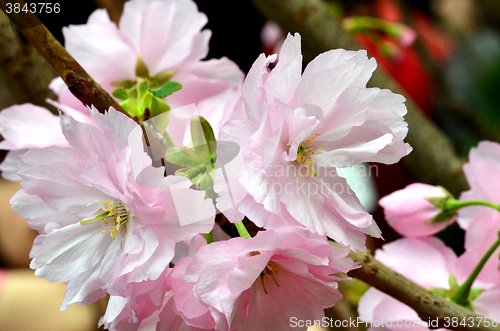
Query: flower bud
[(418, 210)]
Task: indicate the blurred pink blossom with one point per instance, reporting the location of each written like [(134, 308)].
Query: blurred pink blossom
[(482, 223), (412, 257)]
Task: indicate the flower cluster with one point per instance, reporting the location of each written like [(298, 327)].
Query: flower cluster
[(264, 149), (418, 212)]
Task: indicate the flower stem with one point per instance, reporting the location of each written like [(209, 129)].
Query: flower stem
[(242, 230), (168, 140), (461, 295), (453, 204)]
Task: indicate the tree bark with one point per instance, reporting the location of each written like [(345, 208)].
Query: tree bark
[(428, 305), (79, 82)]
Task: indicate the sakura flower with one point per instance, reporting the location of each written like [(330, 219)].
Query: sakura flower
[(108, 220), (261, 282), (409, 212), (482, 223), (153, 302), (139, 310), (412, 257), (23, 127), (300, 128), (184, 309), (158, 40)]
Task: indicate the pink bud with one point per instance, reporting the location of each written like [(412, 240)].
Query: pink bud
[(408, 211)]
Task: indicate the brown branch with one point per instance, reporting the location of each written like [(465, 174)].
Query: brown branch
[(113, 7), (429, 306), (433, 159), (79, 82), (24, 72)]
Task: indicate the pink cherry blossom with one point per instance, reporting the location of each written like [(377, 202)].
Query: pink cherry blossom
[(300, 128), (24, 127), (409, 212), (260, 283), (107, 219), (482, 175), (153, 302), (140, 308), (167, 36), (412, 257), (185, 309), (482, 223)]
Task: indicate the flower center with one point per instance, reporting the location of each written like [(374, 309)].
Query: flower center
[(305, 153), (271, 271), (114, 215)]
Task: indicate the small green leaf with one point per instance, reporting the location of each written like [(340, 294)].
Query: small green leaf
[(206, 183), (143, 88), (141, 70), (180, 156), (126, 84), (167, 89), (160, 79), (452, 281), (132, 107), (120, 94), (474, 293), (437, 201), (157, 106), (443, 216), (193, 172), (203, 137)]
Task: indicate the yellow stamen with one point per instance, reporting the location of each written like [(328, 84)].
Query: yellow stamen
[(271, 271), (305, 153), (117, 212)]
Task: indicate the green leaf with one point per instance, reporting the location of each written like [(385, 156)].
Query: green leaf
[(160, 79), (132, 107), (474, 293), (180, 156), (203, 137), (157, 106), (126, 84), (141, 70), (143, 88), (206, 183), (452, 281), (120, 94), (167, 89), (443, 216), (193, 172)]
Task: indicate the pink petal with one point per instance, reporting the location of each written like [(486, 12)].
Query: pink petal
[(409, 256), (102, 50), (284, 78), (27, 126), (166, 33)]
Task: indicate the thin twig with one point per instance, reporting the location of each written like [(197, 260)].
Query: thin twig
[(428, 305), (433, 159), (79, 82)]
